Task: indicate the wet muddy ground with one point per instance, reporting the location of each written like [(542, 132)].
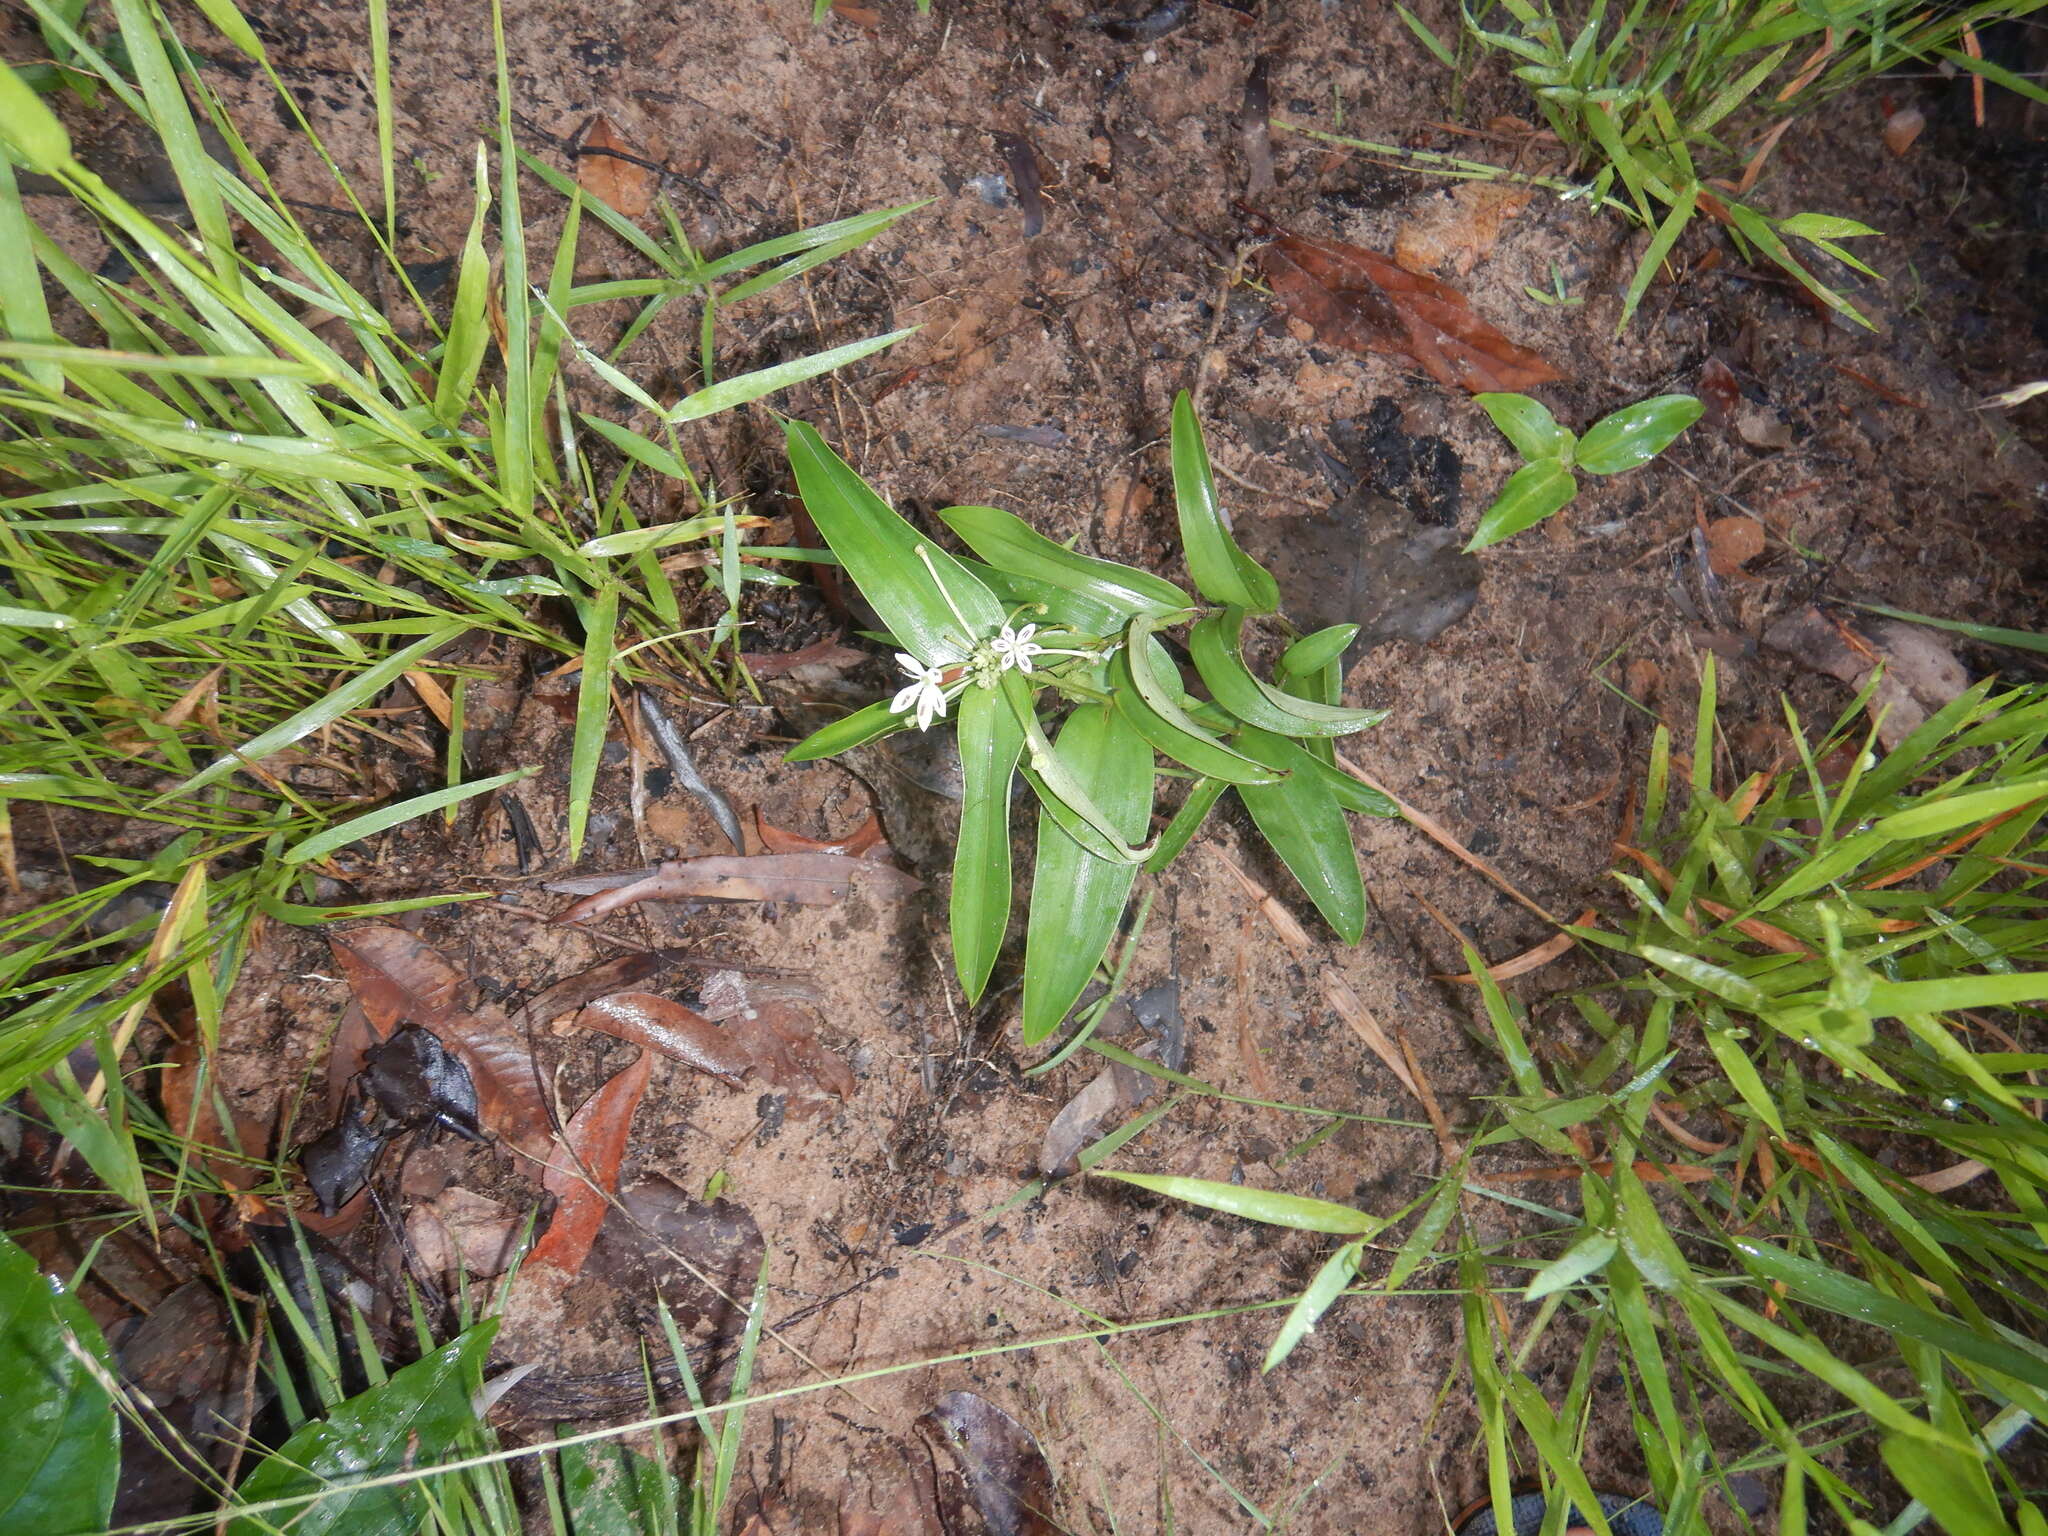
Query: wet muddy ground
[(1040, 380)]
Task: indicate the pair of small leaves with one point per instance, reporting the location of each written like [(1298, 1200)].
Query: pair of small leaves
[(1625, 440)]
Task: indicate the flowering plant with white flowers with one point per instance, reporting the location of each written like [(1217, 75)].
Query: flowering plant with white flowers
[(1029, 633)]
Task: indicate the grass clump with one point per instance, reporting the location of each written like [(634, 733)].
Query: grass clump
[(239, 502)]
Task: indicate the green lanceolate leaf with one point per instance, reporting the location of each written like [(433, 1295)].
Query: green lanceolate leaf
[(1049, 604), (1306, 826), (1588, 1256), (1222, 572), (744, 387), (410, 1420), (1274, 1209), (469, 330), (1945, 814), (881, 553), (990, 739), (1147, 701), (863, 725), (1532, 493), (356, 828), (1187, 821), (1214, 644), (1311, 653), (63, 1437), (1062, 793), (1010, 544), (1636, 434), (30, 127), (613, 1490), (1529, 425), (1076, 898), (1321, 1295)]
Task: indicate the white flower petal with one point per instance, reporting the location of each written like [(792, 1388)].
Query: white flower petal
[(911, 664)]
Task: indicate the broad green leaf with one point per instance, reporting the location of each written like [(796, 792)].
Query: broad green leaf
[(356, 828), (1588, 1256), (1222, 572), (1636, 434), (1945, 994), (1060, 791), (612, 1490), (33, 618), (1953, 1486), (1531, 494), (102, 1139), (863, 725), (409, 1420), (1418, 1246), (744, 387), (1274, 1209), (1528, 424), (1311, 653), (1215, 646), (1148, 703), (1077, 898), (352, 694), (1321, 1295), (1644, 1237), (1934, 816), (1048, 604), (30, 127), (63, 1435), (1350, 793), (1301, 818), (886, 557), (469, 330), (1010, 544), (990, 741)]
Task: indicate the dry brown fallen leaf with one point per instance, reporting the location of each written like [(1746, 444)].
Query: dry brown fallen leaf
[(1531, 959), (809, 879), (1732, 542), (583, 1171), (1006, 1473), (825, 658), (458, 1230), (399, 979), (1902, 128), (614, 170), (865, 841), (661, 1024), (1921, 673), (1363, 302), (1459, 225)]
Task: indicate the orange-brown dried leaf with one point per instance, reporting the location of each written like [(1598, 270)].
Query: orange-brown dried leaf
[(610, 167), (397, 977), (664, 1025), (584, 1183), (1459, 225), (855, 844), (1364, 302)]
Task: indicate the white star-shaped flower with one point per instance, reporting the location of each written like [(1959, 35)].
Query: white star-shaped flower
[(926, 693), (1014, 648)]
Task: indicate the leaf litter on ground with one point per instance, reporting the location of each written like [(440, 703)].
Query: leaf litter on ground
[(807, 879), (1007, 1475), (1365, 302)]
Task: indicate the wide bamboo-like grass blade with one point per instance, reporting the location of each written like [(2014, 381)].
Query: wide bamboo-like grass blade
[(1222, 572), (1301, 818), (990, 741)]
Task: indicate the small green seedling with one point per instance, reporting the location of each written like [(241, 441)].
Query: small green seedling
[(1000, 643), (1554, 297), (1625, 440)]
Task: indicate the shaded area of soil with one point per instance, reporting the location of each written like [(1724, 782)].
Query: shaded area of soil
[(891, 1223)]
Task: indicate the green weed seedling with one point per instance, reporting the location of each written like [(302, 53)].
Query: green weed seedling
[(1625, 440), (997, 643)]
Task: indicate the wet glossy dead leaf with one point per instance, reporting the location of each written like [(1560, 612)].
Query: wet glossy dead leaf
[(583, 1171), (698, 1258), (337, 1164), (1921, 673), (1363, 302), (1902, 128), (1732, 542), (610, 167), (661, 1024), (1458, 225), (809, 879), (191, 1110), (1007, 1475), (771, 1021), (1719, 392)]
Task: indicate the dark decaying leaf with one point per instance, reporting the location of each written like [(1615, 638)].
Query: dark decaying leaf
[(63, 1435), (1021, 161), (417, 1083), (698, 1258), (584, 1169), (679, 1033), (809, 879), (1007, 1474), (338, 1163), (1117, 1089), (826, 657), (399, 979), (769, 1020), (1365, 302), (621, 973), (192, 1111)]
